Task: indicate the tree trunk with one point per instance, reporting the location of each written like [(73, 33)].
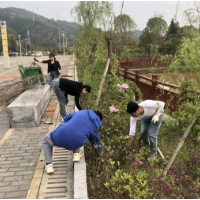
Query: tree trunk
[(108, 40)]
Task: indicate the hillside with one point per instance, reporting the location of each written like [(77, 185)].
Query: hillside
[(44, 33), (136, 34)]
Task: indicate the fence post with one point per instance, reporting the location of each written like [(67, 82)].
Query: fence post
[(154, 84), (137, 73), (125, 72), (119, 63)]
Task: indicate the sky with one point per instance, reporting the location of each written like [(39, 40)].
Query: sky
[(139, 11)]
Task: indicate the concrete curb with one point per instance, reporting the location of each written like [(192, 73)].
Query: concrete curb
[(80, 182), (28, 108)]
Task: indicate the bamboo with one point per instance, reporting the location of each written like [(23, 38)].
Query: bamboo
[(102, 82), (178, 147)]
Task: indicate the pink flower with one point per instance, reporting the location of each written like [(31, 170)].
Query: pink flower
[(169, 186), (126, 137), (136, 161), (118, 85), (141, 149), (125, 86), (113, 109)]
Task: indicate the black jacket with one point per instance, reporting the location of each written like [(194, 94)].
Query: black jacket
[(73, 88), (56, 66)]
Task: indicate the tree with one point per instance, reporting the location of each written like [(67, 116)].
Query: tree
[(190, 17), (92, 13), (123, 27), (173, 28), (171, 37), (96, 33), (154, 33), (96, 18), (185, 32), (192, 13)]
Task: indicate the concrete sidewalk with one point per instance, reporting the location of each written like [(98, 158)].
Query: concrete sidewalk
[(22, 174)]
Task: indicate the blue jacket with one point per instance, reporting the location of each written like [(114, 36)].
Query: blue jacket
[(79, 127)]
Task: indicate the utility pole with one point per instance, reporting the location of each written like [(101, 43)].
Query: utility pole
[(33, 17), (63, 44), (19, 45), (26, 45), (28, 40), (59, 41)]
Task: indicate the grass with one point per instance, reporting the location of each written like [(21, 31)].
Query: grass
[(121, 156)]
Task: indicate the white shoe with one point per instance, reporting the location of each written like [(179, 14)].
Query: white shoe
[(77, 157), (61, 120), (49, 168), (153, 156)]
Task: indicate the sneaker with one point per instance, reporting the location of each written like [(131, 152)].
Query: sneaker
[(77, 157), (49, 168), (61, 120), (153, 156)]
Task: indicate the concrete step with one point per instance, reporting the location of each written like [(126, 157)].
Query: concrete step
[(28, 108)]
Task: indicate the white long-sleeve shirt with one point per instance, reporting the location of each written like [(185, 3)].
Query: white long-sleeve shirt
[(151, 108)]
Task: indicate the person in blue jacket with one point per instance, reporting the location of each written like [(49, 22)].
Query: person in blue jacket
[(77, 129)]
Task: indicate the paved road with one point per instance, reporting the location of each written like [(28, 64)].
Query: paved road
[(4, 122), (13, 73), (21, 158)]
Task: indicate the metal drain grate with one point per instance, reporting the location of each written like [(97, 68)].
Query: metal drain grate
[(58, 185)]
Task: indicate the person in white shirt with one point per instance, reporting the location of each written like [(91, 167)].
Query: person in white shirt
[(149, 111)]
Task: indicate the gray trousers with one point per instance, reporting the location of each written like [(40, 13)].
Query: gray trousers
[(48, 148), (60, 96), (152, 133), (51, 76)]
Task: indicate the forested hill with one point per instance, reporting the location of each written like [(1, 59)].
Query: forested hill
[(44, 33)]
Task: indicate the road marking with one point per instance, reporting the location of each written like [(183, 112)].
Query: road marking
[(6, 136), (2, 107), (8, 71), (37, 177)]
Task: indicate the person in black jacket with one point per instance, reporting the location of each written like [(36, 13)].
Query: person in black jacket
[(53, 67), (62, 87)]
